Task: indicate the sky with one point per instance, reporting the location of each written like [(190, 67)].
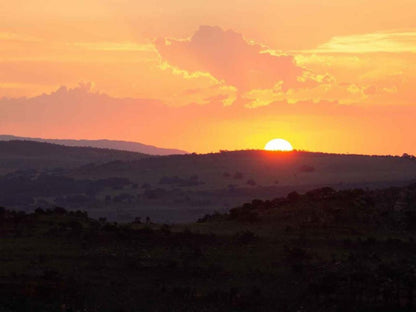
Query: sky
[(202, 76)]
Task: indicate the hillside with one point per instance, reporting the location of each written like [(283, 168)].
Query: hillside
[(107, 144), (259, 169), (325, 250), (122, 186), (22, 155), (348, 211)]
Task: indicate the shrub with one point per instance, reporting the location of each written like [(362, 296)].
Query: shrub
[(238, 175), (293, 196), (306, 168), (251, 182), (245, 237)]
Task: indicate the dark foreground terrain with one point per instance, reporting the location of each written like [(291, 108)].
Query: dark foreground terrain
[(326, 250)]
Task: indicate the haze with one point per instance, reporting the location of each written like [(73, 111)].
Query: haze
[(208, 75)]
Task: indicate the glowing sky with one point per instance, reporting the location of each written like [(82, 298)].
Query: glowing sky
[(334, 76)]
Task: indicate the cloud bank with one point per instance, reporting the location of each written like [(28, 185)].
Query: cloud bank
[(81, 113)]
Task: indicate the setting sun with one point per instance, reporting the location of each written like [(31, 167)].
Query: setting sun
[(278, 145)]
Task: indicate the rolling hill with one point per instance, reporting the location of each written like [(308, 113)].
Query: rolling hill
[(21, 155), (251, 169), (108, 144), (178, 188)]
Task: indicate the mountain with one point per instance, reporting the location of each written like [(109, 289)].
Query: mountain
[(22, 155), (109, 144)]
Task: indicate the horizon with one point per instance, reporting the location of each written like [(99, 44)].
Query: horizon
[(201, 77), (294, 150)]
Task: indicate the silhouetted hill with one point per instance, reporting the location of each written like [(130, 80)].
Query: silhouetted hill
[(250, 169), (108, 144), (391, 208), (17, 155), (178, 188)]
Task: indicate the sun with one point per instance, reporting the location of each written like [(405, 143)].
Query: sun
[(278, 145)]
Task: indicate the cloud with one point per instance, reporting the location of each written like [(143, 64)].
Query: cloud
[(380, 78), (228, 57), (81, 112), (387, 42)]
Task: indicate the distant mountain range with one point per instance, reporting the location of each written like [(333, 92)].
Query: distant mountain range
[(108, 144)]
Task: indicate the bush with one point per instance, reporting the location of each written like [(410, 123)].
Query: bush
[(251, 182), (306, 168), (238, 175), (243, 215), (293, 196), (245, 237)]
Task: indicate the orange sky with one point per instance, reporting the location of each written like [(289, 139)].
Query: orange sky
[(334, 76)]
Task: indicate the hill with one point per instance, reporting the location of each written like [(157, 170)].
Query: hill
[(107, 144), (22, 155), (249, 169), (181, 188), (348, 211), (325, 250)]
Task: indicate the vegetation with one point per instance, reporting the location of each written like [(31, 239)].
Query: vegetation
[(325, 250), (121, 186), (24, 155)]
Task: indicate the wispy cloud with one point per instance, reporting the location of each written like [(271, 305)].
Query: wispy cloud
[(388, 42)]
